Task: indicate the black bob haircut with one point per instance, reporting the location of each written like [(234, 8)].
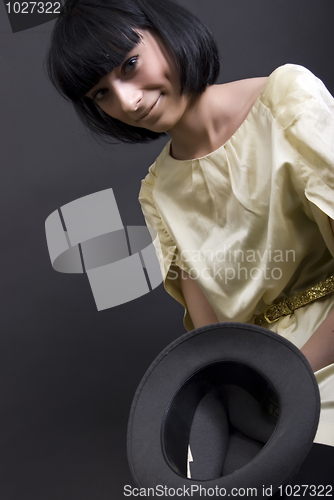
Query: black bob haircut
[(92, 37)]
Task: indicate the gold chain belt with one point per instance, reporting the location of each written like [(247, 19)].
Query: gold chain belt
[(287, 305)]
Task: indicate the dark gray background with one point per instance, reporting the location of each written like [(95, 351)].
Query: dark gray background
[(68, 372)]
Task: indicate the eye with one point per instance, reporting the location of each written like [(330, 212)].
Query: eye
[(99, 94), (129, 65)]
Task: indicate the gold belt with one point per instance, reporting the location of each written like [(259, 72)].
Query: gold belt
[(287, 305)]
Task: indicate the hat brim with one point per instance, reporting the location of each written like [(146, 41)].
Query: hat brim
[(274, 358)]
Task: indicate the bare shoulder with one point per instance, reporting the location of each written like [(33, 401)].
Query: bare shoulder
[(249, 89), (239, 98), (257, 83)]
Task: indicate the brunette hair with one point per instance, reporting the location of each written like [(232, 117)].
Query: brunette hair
[(92, 37)]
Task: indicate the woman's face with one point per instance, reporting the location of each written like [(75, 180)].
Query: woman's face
[(144, 91)]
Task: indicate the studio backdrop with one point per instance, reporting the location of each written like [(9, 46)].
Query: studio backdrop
[(71, 363)]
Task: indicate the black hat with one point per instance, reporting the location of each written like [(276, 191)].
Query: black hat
[(239, 400)]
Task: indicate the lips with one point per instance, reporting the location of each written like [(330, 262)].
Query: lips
[(150, 109)]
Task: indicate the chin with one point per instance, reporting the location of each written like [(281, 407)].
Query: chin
[(157, 129), (160, 130), (161, 126)]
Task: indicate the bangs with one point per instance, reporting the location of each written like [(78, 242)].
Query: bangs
[(88, 42), (92, 37)]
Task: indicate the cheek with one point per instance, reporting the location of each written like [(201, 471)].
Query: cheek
[(158, 73), (152, 76), (111, 109)]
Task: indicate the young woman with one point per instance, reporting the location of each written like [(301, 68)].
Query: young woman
[(241, 199)]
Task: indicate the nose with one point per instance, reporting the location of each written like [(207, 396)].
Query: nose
[(129, 96)]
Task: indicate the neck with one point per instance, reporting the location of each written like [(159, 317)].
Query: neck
[(202, 126), (211, 119)]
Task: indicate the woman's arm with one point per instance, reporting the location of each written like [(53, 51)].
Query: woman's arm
[(319, 349), (198, 305)]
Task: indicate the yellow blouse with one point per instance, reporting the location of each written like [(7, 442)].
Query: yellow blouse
[(250, 221)]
